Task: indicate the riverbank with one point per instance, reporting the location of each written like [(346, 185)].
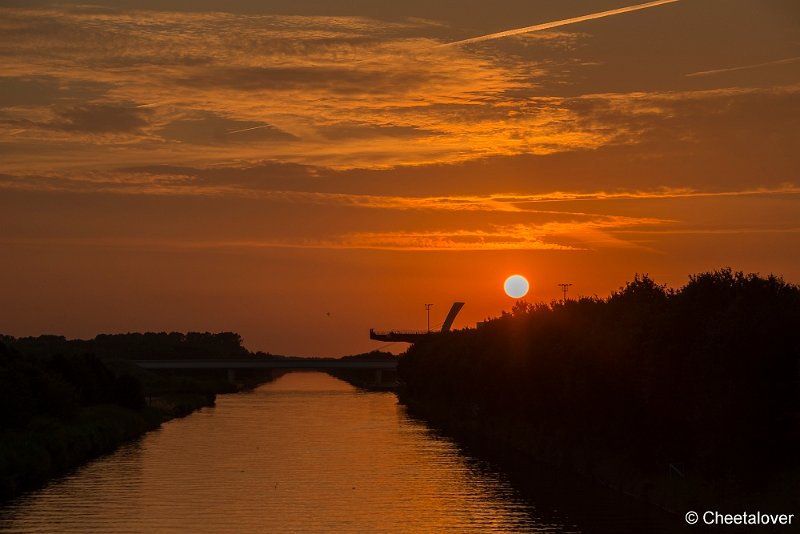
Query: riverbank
[(542, 474), (49, 447), (684, 399), (525, 453), (61, 407), (532, 456)]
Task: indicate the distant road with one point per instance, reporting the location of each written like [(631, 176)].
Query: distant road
[(321, 364)]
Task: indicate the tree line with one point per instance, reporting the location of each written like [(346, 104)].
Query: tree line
[(57, 386), (705, 377), (141, 346)]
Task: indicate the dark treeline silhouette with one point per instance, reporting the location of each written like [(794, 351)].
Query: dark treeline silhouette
[(372, 355), (58, 386), (58, 410), (688, 393), (146, 346)]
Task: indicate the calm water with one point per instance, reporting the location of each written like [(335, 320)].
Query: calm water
[(306, 453)]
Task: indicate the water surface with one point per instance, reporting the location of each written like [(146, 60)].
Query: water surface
[(306, 453)]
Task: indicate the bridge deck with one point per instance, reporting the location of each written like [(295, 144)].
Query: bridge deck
[(405, 336), (310, 363)]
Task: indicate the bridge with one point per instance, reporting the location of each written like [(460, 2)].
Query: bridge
[(412, 336), (293, 364)]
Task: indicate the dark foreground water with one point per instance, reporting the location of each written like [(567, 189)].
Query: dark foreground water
[(306, 453)]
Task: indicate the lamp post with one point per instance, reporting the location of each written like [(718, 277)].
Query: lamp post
[(565, 288), (428, 309)]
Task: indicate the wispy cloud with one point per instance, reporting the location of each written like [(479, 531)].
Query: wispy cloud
[(737, 230), (516, 237), (570, 235), (558, 23), (224, 183), (161, 86), (94, 90), (661, 193), (517, 202)]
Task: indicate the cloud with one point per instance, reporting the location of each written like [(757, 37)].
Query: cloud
[(361, 82), (337, 80), (100, 118), (45, 90), (293, 183), (518, 237), (221, 90), (715, 231), (564, 236), (366, 131), (551, 236)]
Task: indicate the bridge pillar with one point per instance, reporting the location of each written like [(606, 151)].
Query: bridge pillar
[(378, 377), (232, 376)]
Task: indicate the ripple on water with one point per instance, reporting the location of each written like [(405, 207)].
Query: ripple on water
[(306, 453)]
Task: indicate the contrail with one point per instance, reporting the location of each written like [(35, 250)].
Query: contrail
[(558, 23), (249, 129), (744, 67)]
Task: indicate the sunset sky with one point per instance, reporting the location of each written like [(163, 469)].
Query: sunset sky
[(299, 171)]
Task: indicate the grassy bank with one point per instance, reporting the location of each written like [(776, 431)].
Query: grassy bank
[(541, 472), (530, 453), (48, 447), (61, 407)]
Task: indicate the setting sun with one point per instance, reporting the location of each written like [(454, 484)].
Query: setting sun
[(516, 286)]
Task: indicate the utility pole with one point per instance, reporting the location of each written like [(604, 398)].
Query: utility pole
[(565, 288), (428, 309)]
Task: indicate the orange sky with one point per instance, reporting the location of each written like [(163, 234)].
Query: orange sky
[(300, 171)]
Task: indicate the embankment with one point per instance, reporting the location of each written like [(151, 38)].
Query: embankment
[(61, 407), (48, 447)]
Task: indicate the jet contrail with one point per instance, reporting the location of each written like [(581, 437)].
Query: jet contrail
[(249, 129), (558, 23), (744, 67)]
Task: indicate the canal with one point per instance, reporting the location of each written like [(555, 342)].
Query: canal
[(306, 453)]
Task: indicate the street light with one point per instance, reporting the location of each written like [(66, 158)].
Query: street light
[(565, 288), (428, 309)]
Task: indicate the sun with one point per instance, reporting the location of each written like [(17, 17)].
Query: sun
[(516, 286)]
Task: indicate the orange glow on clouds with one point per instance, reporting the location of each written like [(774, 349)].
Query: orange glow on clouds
[(174, 168)]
